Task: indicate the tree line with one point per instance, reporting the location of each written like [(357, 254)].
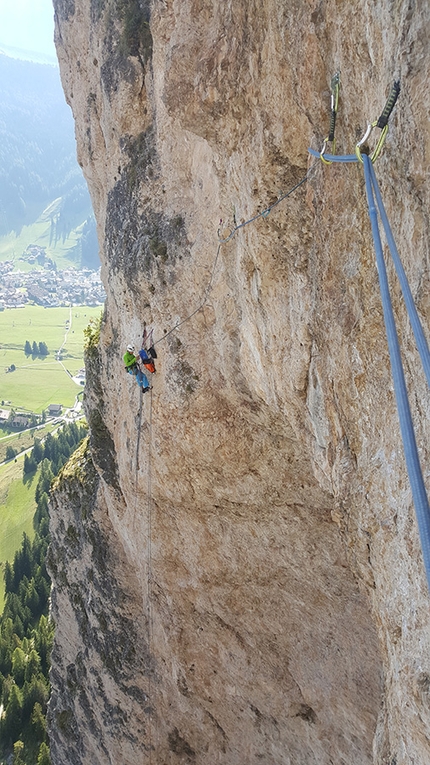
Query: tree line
[(35, 349), (26, 630), (56, 449)]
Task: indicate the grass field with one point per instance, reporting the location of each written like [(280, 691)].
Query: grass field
[(17, 507), (23, 440), (12, 246), (36, 381)]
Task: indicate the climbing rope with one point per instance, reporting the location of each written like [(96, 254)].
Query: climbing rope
[(363, 156), (419, 493), (149, 580), (199, 307), (334, 158), (417, 329), (263, 214)]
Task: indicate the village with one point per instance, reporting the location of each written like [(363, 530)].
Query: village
[(48, 286), (22, 420)]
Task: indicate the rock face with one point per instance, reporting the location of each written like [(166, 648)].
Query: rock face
[(237, 570)]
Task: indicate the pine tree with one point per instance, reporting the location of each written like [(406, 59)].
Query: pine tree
[(45, 479), (8, 577), (37, 451), (12, 720), (18, 666), (32, 666), (30, 465), (38, 722), (17, 753), (27, 348), (43, 758)]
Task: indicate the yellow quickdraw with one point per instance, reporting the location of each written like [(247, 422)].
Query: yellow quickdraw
[(381, 123), (334, 87)]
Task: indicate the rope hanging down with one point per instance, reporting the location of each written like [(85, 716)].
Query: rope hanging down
[(419, 493), (417, 328), (152, 744), (147, 607)]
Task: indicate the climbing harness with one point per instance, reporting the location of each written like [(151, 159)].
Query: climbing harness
[(362, 156), (334, 103)]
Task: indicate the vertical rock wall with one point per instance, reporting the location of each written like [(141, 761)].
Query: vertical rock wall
[(245, 582)]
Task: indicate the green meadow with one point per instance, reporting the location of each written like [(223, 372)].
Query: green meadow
[(39, 381), (39, 233), (24, 439), (17, 507), (36, 382)]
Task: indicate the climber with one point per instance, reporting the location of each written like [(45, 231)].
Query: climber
[(131, 363)]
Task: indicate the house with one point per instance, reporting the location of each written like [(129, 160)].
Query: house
[(54, 410), (38, 294), (20, 421)]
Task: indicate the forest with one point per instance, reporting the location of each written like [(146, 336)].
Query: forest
[(26, 630)]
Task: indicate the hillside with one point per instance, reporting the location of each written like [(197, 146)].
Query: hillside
[(38, 158), (238, 576)]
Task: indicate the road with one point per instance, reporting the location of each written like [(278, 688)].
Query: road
[(58, 356), (66, 417), (58, 353)]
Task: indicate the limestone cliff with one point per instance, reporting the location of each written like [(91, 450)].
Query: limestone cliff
[(237, 571)]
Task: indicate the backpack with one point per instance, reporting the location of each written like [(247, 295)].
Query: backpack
[(147, 361)]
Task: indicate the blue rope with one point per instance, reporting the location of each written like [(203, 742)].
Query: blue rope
[(419, 493), (334, 157), (420, 338)]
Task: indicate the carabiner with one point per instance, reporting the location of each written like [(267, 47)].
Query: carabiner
[(377, 150), (323, 150), (381, 123)]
